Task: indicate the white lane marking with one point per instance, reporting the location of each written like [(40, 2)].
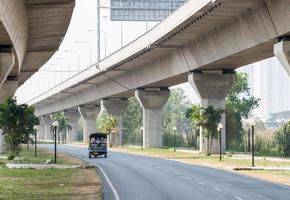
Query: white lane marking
[(116, 195), (283, 186), (187, 177), (176, 174), (216, 189), (158, 167), (167, 170), (201, 183), (239, 198)]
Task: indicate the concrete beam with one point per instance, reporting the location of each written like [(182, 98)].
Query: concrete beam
[(152, 102), (47, 121), (116, 107), (73, 118), (282, 53), (212, 89), (89, 115)]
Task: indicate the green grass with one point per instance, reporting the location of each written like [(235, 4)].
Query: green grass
[(47, 184), (202, 158)]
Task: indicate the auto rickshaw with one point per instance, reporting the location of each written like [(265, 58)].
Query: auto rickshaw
[(97, 145)]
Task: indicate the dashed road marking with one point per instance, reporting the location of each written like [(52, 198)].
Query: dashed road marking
[(176, 174), (201, 183), (187, 178), (239, 198), (216, 189)]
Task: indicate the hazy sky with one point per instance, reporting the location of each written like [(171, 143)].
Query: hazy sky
[(83, 29)]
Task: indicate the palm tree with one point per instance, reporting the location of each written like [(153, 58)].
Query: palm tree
[(208, 119), (63, 126)]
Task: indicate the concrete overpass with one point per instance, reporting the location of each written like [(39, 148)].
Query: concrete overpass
[(203, 42), (30, 33)]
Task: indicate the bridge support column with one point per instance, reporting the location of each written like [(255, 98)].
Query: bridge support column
[(41, 130), (152, 101), (73, 118), (116, 107), (282, 53), (212, 89), (47, 121), (89, 115), (1, 142)]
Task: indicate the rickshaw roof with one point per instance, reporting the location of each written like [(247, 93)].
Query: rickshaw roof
[(96, 135)]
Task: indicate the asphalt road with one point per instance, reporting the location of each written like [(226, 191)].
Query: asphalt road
[(134, 177)]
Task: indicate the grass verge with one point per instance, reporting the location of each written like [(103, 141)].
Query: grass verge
[(48, 184), (213, 161)]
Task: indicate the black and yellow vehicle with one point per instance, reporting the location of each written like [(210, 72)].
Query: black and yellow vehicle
[(98, 145)]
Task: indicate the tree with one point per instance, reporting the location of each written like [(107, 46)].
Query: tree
[(239, 104), (174, 115), (106, 124), (282, 138), (132, 121), (63, 126), (208, 119), (17, 122)]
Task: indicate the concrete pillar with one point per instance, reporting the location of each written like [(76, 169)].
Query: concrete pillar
[(212, 89), (152, 102), (41, 130), (73, 118), (116, 107), (47, 121), (1, 142), (89, 115), (282, 53)]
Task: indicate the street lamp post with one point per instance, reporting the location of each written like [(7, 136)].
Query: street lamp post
[(141, 139), (90, 46), (253, 123), (219, 128), (174, 139), (35, 140), (55, 125)]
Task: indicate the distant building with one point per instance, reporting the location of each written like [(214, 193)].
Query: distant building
[(269, 82)]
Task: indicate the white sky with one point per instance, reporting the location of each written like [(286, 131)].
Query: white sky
[(83, 20)]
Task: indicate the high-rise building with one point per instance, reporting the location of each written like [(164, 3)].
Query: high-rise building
[(269, 82)]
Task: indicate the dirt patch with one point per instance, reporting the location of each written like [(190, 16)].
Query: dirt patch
[(88, 184)]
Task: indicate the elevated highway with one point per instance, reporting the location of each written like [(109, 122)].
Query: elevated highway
[(203, 42), (31, 31)]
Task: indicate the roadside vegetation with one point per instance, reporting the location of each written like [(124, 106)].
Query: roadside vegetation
[(228, 162), (17, 123), (46, 184)]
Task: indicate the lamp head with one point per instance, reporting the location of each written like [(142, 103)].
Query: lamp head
[(252, 122), (174, 128), (35, 127), (220, 126), (55, 124), (141, 128)]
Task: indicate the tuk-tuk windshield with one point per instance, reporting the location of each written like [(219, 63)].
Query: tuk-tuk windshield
[(98, 141)]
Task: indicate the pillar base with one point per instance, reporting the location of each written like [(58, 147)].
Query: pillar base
[(89, 115), (212, 89), (152, 101)]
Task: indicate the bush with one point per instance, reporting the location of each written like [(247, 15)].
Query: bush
[(282, 139)]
